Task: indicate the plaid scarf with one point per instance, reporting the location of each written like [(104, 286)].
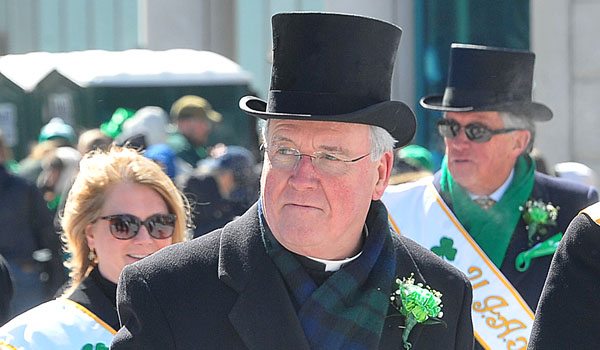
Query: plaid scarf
[(348, 310)]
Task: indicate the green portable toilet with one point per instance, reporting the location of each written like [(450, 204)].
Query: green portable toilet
[(19, 74), (88, 86)]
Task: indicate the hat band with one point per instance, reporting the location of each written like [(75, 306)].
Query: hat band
[(457, 97), (321, 103)]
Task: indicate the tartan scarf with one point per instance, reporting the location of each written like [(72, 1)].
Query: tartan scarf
[(348, 310)]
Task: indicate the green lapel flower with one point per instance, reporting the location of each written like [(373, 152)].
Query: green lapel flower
[(417, 304), (538, 217)]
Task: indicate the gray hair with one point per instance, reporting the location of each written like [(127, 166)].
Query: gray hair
[(515, 121), (381, 140)]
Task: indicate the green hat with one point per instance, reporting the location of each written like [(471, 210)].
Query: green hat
[(112, 128), (417, 156), (57, 128)]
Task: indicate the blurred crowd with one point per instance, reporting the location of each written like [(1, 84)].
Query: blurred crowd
[(220, 181)]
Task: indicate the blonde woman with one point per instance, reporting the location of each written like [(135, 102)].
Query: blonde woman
[(121, 208)]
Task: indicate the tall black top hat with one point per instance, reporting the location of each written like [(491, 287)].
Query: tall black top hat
[(334, 67), (483, 78)]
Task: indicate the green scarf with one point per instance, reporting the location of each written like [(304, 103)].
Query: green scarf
[(492, 229)]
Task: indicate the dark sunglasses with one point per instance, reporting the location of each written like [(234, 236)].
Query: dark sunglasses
[(475, 132), (127, 226)]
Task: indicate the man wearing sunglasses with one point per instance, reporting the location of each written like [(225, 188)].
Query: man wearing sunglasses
[(487, 211), (314, 263)]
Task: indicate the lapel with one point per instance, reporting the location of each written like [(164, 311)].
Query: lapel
[(405, 266), (263, 314)]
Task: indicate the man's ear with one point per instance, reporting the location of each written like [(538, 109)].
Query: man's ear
[(384, 170), (521, 141)]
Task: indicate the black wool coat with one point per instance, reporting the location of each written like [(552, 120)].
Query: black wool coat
[(98, 296), (567, 315), (222, 291)]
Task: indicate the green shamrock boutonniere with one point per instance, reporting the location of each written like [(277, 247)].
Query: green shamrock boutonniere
[(417, 304), (538, 216)]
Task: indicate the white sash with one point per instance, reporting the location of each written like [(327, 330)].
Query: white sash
[(501, 318), (57, 324), (593, 211)]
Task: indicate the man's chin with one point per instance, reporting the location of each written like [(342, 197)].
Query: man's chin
[(463, 174), (300, 240)]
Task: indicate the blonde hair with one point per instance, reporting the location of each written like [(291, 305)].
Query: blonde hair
[(99, 170)]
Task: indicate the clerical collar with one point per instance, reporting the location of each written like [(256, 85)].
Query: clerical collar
[(310, 263), (334, 265), (497, 195)]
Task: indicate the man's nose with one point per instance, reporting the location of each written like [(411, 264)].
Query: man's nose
[(305, 173), (460, 140)]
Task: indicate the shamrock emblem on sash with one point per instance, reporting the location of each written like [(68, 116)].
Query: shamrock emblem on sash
[(99, 346), (445, 249)]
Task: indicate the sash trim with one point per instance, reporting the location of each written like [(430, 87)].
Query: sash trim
[(430, 191), (481, 253), (593, 212), (3, 345)]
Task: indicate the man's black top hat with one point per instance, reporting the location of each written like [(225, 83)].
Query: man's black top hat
[(483, 78), (334, 67)]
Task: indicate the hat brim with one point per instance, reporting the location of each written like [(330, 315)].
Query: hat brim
[(394, 116), (533, 110)]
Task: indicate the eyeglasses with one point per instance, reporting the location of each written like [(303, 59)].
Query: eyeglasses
[(127, 226), (475, 132), (286, 158)]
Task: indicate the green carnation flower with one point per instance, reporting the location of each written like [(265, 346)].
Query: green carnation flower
[(538, 217), (417, 304)]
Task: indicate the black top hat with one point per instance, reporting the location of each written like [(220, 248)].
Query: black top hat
[(483, 78), (334, 67)]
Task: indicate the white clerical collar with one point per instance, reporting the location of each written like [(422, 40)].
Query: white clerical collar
[(334, 265), (497, 195)]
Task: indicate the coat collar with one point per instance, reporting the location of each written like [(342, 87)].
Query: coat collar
[(405, 266), (245, 267), (263, 302)]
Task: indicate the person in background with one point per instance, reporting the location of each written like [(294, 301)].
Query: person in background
[(162, 154), (411, 163), (314, 263), (222, 189), (149, 121), (28, 240), (540, 161), (6, 290), (121, 208), (93, 139), (147, 129), (59, 168), (55, 134), (487, 211), (194, 118)]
